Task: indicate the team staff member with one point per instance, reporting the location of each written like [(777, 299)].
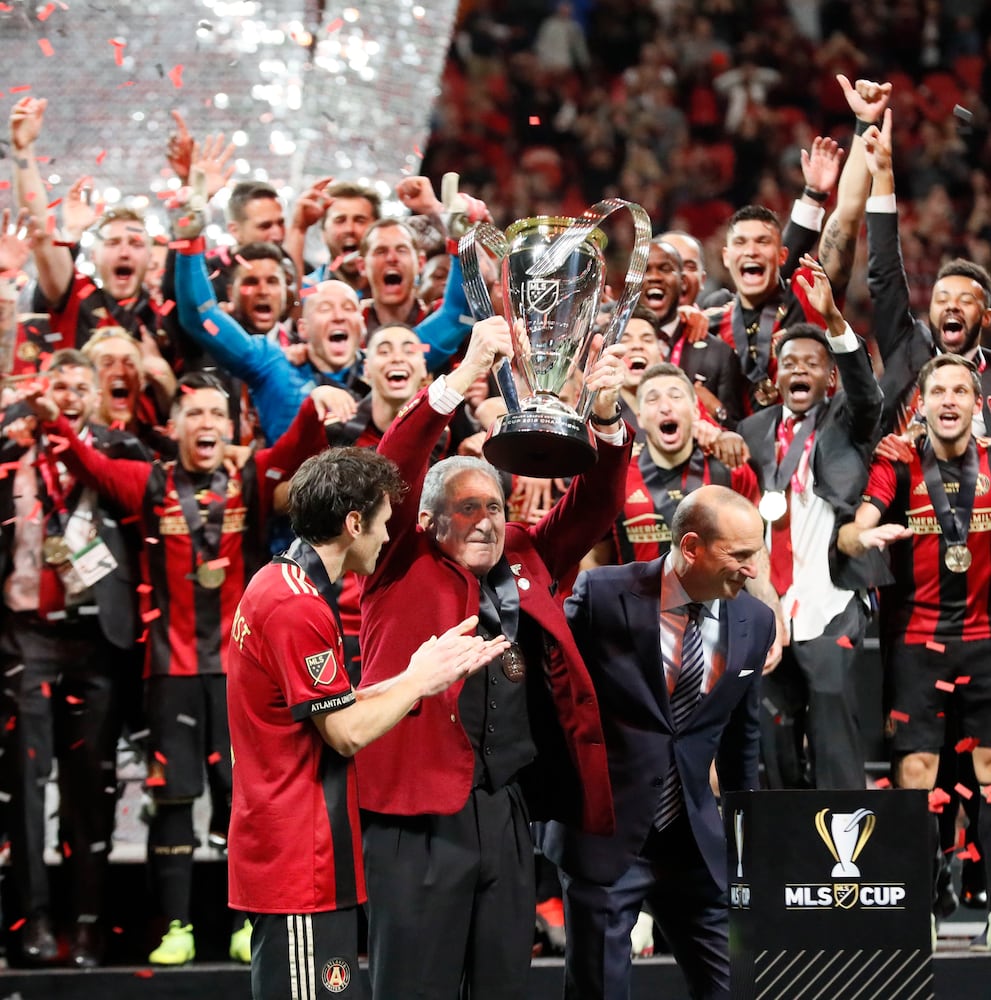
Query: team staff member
[(286, 671), (936, 627), (201, 524), (449, 856), (812, 453), (675, 651)]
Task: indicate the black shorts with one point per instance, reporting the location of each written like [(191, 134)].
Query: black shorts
[(187, 719), (304, 956), (914, 670)]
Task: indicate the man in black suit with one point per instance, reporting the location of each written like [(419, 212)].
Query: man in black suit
[(67, 640), (675, 651), (812, 453)]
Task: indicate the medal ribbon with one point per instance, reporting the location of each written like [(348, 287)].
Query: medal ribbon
[(955, 522), (762, 362), (695, 474), (203, 533), (780, 473)]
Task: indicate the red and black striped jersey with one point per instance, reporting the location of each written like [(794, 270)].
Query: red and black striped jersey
[(186, 620), (642, 531), (927, 602)]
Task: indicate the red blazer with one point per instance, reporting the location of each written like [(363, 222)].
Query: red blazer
[(425, 763)]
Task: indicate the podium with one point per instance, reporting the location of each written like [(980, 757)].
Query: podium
[(830, 894)]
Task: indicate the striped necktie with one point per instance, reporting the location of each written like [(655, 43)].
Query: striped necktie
[(684, 698)]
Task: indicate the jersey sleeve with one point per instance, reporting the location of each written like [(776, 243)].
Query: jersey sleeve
[(307, 658), (882, 484)]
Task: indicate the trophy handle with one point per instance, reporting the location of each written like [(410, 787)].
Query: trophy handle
[(635, 271), (479, 299)]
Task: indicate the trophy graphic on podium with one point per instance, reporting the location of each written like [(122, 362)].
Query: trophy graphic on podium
[(845, 837), (553, 274)]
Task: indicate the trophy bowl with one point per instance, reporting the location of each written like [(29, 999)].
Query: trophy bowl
[(552, 275)]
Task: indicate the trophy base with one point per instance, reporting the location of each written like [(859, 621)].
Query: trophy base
[(541, 444)]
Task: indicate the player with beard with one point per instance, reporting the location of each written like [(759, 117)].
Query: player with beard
[(346, 210), (709, 362), (121, 255), (811, 453), (959, 307), (933, 514), (135, 392)]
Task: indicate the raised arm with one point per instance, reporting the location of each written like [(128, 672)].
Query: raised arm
[(55, 267)]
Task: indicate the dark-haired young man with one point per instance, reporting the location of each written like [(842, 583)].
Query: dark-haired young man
[(202, 525), (295, 723), (933, 512)]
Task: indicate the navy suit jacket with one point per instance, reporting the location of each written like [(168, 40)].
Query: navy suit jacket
[(614, 613)]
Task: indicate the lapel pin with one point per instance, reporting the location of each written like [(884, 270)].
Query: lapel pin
[(523, 583)]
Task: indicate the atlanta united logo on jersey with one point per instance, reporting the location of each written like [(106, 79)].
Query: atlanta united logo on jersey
[(336, 975)]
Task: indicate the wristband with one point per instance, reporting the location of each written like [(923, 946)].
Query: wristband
[(608, 421), (861, 126), (820, 196)]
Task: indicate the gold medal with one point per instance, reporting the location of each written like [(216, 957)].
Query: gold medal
[(957, 558), (773, 506), (766, 392), (55, 551), (513, 664), (210, 578)]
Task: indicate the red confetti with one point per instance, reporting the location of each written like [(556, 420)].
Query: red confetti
[(534, 119), (898, 716), (144, 588), (964, 679), (937, 799), (21, 88), (117, 930), (150, 616), (967, 744), (118, 45), (155, 781), (44, 15), (211, 327), (222, 563), (46, 47), (4, 185), (54, 204), (936, 647), (130, 519), (46, 689), (144, 973), (175, 75), (73, 700), (166, 307), (66, 850), (970, 852), (944, 686), (77, 744), (18, 924), (214, 758), (101, 156), (844, 641), (160, 757), (882, 783), (963, 791), (335, 25)]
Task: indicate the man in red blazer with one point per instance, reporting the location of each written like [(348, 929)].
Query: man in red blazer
[(448, 794)]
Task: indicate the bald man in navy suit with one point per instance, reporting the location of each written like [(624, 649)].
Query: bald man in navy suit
[(675, 649)]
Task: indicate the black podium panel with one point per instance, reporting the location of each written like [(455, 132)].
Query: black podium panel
[(829, 894)]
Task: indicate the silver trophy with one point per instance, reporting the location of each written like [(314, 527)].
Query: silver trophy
[(553, 273)]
